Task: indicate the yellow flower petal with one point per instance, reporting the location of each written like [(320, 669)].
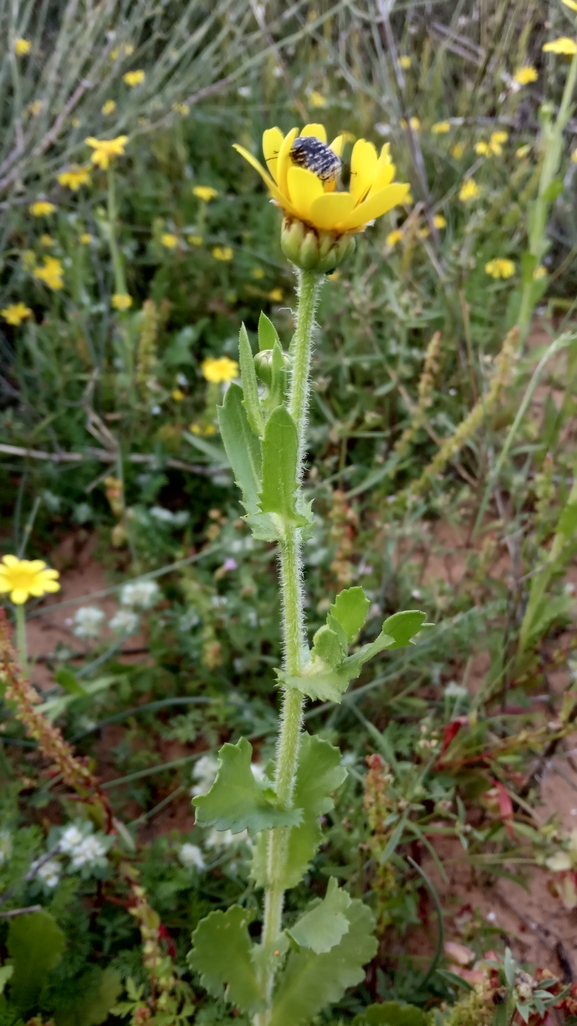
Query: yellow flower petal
[(563, 45), (271, 144), (284, 161), (264, 175), (376, 206), (36, 565), (384, 176), (4, 583), (329, 211), (570, 4), (303, 188), (51, 586), (318, 131), (363, 168), (11, 561), (337, 145), (19, 596)]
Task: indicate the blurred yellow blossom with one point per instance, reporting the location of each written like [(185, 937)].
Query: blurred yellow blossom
[(51, 273), (526, 75), (16, 313), (109, 107), (181, 108), (500, 268), (441, 127), (134, 78), (75, 177), (169, 240), (126, 49), (494, 146), (86, 238), (393, 237), (198, 429), (457, 151), (571, 4), (41, 208), (25, 577), (177, 395), (106, 149), (540, 272), (121, 301), (276, 295), (22, 47), (34, 108), (219, 370), (222, 252), (195, 240), (563, 45), (523, 151), (439, 221), (414, 123), (204, 192), (46, 240), (469, 190), (258, 273), (405, 62), (317, 99)]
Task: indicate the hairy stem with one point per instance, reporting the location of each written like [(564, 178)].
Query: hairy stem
[(21, 639)]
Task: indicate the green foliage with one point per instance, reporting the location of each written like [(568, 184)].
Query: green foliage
[(391, 1013), (221, 954), (325, 923), (95, 1009), (279, 468), (35, 943), (244, 454), (250, 400)]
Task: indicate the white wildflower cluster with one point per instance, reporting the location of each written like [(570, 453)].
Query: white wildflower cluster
[(191, 857), (86, 849), (204, 774), (140, 594), (125, 622), (49, 873), (87, 622)]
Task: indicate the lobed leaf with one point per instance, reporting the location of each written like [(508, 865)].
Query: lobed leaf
[(221, 954), (350, 609), (325, 924)]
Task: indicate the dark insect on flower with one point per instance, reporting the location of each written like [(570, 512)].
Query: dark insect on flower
[(316, 156)]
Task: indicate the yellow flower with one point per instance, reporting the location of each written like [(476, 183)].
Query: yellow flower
[(305, 196), (441, 127), (34, 108), (457, 151), (25, 577), (219, 370), (405, 62), (74, 178), (483, 149), (106, 149), (51, 274), (413, 122), (317, 99), (540, 272), (258, 273), (222, 252), (526, 75), (494, 146), (181, 108), (109, 107), (86, 238), (121, 301), (393, 237), (500, 268), (16, 313), (177, 395), (41, 208), (497, 138), (195, 240), (134, 78), (204, 192), (169, 240), (523, 151), (276, 295), (562, 45), (469, 190), (439, 221), (46, 240), (22, 47)]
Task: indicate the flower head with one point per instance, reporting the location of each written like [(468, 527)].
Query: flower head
[(500, 268), (16, 313), (469, 190), (41, 208), (169, 240), (222, 253), (204, 193), (526, 75), (441, 127), (87, 622), (121, 301), (124, 622), (108, 108), (47, 240), (563, 45), (106, 149), (51, 273), (49, 872), (74, 178), (25, 577), (405, 62), (439, 221), (85, 238), (317, 99), (195, 240), (191, 856), (393, 237), (219, 370), (22, 47), (413, 123), (140, 594), (134, 78)]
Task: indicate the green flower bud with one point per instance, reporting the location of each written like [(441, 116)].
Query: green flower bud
[(313, 250), (263, 365)]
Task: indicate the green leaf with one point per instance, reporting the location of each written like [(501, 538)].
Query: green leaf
[(221, 954), (319, 773), (35, 943), (96, 1009), (554, 190), (403, 626), (267, 333), (279, 467), (242, 447), (6, 972), (391, 1013), (327, 646), (325, 924), (350, 608), (236, 801), (69, 682), (311, 981), (567, 525), (250, 400), (548, 610)]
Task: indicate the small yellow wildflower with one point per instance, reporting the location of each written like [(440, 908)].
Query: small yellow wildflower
[(500, 268), (46, 240), (86, 238), (195, 429), (29, 257), (258, 273), (106, 149), (219, 370), (33, 109), (526, 75), (457, 151), (494, 147), (181, 108), (74, 178), (16, 313), (204, 192), (195, 240), (317, 99), (51, 273), (405, 62), (469, 190), (563, 45), (41, 208), (483, 149), (441, 127), (22, 47), (414, 123), (276, 295), (169, 240), (121, 301), (177, 395), (540, 272), (222, 253), (497, 138), (523, 151), (125, 49), (109, 107), (25, 577), (134, 78), (393, 237), (439, 221)]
